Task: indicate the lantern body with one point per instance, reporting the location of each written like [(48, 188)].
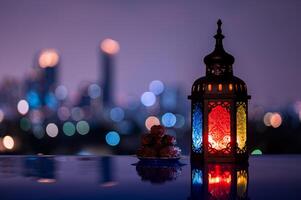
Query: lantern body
[(219, 104), (219, 181)]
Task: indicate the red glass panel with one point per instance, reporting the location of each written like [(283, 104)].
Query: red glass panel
[(219, 135), (219, 180)]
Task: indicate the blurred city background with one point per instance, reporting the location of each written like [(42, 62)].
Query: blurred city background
[(89, 77)]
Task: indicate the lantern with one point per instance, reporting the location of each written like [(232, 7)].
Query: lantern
[(219, 109), (219, 181)]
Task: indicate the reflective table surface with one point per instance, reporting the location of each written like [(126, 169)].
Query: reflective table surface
[(123, 177)]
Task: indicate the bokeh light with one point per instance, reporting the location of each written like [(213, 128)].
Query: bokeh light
[(272, 119), (61, 92), (48, 58), (169, 119), (25, 124), (94, 91), (109, 46), (148, 99), (117, 114), (256, 152), (77, 114), (267, 118), (69, 128), (52, 130), (23, 107), (51, 101), (156, 87), (276, 120), (82, 127), (1, 115), (8, 142), (151, 121), (33, 99), (63, 113), (38, 131), (112, 138)]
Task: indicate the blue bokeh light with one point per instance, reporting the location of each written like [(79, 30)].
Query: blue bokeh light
[(94, 91), (117, 114), (169, 119), (148, 99), (51, 101), (33, 99), (112, 138), (156, 87)]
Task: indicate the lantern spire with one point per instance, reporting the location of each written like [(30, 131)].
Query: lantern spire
[(219, 36)]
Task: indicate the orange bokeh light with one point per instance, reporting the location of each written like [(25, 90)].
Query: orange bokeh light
[(110, 46), (48, 58)]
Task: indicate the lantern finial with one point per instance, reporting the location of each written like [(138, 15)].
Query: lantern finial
[(219, 36)]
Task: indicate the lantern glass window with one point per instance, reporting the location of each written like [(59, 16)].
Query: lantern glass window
[(219, 126), (197, 127), (241, 126)]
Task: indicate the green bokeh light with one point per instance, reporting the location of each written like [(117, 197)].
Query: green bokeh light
[(69, 128)]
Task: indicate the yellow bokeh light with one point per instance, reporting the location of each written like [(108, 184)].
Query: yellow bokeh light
[(109, 46), (8, 142), (151, 121), (48, 58)]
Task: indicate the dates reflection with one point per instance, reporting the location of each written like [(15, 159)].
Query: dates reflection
[(158, 173), (219, 182)]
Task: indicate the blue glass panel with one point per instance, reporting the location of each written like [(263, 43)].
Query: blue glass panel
[(197, 178), (197, 128)]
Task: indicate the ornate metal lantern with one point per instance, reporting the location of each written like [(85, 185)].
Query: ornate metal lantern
[(219, 110)]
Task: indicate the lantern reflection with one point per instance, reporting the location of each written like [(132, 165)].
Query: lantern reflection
[(219, 181)]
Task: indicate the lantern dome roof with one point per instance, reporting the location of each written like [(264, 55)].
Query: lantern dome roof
[(219, 62)]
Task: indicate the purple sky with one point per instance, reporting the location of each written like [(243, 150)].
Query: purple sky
[(164, 40)]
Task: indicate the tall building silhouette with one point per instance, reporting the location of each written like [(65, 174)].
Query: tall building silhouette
[(108, 49)]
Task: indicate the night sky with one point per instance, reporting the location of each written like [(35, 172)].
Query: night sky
[(164, 40)]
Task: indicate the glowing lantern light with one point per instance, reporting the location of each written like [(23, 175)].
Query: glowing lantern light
[(219, 110), (8, 142)]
